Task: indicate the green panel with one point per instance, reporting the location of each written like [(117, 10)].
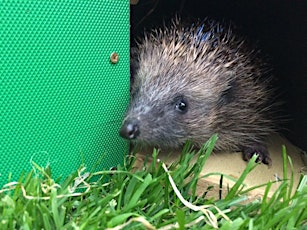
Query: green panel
[(61, 99)]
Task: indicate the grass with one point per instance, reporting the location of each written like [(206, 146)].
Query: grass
[(156, 197)]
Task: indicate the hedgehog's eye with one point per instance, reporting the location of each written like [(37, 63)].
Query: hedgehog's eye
[(181, 105)]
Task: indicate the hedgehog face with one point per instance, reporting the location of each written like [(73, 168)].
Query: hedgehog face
[(156, 123), (165, 116)]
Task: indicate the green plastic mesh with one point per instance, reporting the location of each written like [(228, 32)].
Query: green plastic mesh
[(62, 100)]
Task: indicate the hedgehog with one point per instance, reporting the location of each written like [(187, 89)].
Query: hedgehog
[(190, 82)]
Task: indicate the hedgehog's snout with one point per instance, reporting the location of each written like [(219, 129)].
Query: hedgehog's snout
[(130, 129)]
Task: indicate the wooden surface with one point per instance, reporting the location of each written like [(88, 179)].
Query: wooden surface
[(232, 164)]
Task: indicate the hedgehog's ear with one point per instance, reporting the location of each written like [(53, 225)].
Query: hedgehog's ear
[(228, 95), (134, 64)]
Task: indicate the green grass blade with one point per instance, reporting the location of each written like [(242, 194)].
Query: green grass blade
[(235, 189)]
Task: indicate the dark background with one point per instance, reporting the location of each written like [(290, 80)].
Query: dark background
[(279, 28)]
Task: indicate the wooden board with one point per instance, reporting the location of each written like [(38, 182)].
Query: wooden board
[(232, 164)]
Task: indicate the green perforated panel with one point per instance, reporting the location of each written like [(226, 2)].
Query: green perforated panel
[(62, 100)]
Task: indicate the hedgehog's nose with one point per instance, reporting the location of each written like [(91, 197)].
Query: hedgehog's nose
[(130, 129)]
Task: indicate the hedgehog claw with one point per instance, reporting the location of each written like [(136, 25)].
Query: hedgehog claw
[(261, 151)]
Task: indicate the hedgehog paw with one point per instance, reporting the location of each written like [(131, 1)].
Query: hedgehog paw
[(260, 150)]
